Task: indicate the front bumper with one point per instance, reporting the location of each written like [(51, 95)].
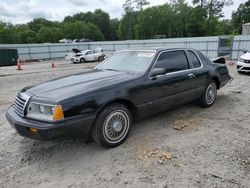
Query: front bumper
[(75, 59), (243, 67), (77, 126)]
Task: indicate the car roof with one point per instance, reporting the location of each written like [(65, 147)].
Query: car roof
[(156, 49)]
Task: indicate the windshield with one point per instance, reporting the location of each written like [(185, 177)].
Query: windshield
[(128, 61)]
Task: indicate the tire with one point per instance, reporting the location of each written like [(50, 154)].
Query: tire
[(209, 96), (82, 60), (100, 58), (112, 126)]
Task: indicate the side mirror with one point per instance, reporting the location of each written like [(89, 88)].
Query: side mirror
[(158, 71), (245, 51)]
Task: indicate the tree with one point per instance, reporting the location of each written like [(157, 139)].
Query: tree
[(141, 3), (214, 11), (38, 23), (241, 16), (127, 25), (93, 32), (27, 36), (114, 24), (6, 33), (49, 34)]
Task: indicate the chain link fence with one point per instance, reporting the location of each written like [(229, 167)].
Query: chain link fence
[(207, 45)]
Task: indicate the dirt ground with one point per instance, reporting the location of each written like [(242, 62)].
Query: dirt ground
[(185, 147)]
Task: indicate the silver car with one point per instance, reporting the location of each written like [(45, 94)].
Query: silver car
[(87, 55)]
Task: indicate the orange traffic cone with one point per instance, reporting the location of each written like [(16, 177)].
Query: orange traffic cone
[(18, 65), (53, 65)]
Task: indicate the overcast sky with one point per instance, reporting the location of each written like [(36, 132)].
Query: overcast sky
[(22, 11)]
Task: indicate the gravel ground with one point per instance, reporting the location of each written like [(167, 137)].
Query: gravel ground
[(185, 147)]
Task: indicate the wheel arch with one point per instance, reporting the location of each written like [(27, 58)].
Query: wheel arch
[(217, 81), (129, 104)]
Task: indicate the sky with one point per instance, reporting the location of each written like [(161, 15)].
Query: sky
[(23, 11)]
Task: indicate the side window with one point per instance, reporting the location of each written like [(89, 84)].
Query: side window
[(196, 62), (88, 53), (172, 61)]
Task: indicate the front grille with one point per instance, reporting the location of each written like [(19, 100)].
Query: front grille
[(20, 103), (245, 68), (246, 61)]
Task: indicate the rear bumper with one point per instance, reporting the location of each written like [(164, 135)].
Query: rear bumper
[(225, 79), (77, 126)]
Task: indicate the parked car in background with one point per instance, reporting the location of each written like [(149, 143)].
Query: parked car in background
[(243, 64), (76, 40), (85, 40), (65, 41), (87, 55), (129, 85)]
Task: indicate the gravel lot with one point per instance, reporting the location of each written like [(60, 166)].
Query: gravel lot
[(185, 147)]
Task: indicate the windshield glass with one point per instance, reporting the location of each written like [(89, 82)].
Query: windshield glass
[(128, 61)]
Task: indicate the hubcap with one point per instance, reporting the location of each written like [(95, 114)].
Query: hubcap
[(116, 126), (211, 93)]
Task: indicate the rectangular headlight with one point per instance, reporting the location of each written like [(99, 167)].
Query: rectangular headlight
[(45, 112), (241, 60)]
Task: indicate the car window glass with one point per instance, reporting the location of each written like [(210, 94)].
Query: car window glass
[(172, 61), (196, 62), (131, 61)]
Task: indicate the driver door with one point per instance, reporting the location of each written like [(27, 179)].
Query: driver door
[(175, 87), (89, 56)]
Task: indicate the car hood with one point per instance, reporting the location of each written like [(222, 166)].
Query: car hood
[(77, 84), (245, 56), (76, 51)]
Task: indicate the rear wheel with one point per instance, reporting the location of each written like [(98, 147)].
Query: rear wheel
[(209, 96), (112, 126), (101, 58), (82, 60)]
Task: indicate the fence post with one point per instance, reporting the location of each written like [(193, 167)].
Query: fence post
[(232, 48), (67, 48), (49, 51), (29, 52), (238, 53), (207, 49)]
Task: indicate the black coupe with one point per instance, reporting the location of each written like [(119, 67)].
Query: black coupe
[(129, 85)]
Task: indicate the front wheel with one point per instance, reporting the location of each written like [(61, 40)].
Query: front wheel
[(209, 96), (112, 126)]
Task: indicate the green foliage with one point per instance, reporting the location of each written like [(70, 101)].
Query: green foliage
[(241, 16), (99, 18), (174, 19), (79, 30), (127, 27)]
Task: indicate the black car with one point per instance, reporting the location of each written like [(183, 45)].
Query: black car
[(129, 85)]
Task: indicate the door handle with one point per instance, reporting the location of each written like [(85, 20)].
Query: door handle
[(191, 75)]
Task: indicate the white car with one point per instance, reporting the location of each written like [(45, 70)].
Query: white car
[(243, 64), (87, 55), (65, 41)]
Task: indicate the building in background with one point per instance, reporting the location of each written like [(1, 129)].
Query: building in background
[(246, 29)]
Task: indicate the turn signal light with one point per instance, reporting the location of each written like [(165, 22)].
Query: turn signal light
[(58, 113), (33, 130)]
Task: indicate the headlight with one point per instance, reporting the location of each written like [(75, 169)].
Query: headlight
[(241, 60), (45, 112)]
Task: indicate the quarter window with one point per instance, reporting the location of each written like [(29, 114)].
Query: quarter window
[(196, 62), (172, 61)]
